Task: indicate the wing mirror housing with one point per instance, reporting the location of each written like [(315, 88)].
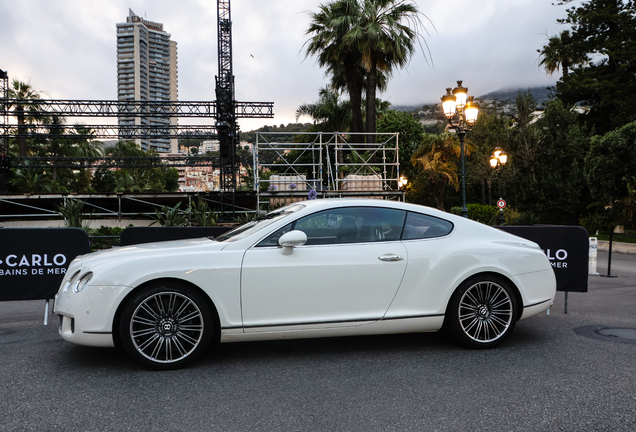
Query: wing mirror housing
[(292, 238)]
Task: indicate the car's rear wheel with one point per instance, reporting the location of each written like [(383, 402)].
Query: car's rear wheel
[(482, 312), (166, 326)]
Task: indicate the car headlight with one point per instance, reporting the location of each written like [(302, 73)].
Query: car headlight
[(68, 283), (82, 281)]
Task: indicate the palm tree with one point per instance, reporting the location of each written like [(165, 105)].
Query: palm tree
[(384, 33), (327, 29), (561, 52), (348, 35), (437, 155), (22, 91), (28, 180), (82, 147), (329, 113), (53, 147)]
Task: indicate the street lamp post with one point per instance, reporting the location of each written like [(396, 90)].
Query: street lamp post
[(456, 102), (497, 161)]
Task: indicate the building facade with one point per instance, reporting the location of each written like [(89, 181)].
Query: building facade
[(146, 71)]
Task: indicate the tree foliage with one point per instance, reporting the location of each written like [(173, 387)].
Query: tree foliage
[(610, 166), (546, 162), (601, 45)]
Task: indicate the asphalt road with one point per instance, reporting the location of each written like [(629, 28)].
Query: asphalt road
[(544, 378)]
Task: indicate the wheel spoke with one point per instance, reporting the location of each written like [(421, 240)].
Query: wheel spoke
[(145, 344), (191, 328), (487, 295), (187, 338), (180, 347), (472, 298), (171, 303), (157, 349), (144, 321), (143, 332), (494, 329), (146, 308), (501, 303), (499, 321), (160, 308), (189, 316), (181, 309), (471, 325)]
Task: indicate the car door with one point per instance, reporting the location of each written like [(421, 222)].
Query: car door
[(346, 274)]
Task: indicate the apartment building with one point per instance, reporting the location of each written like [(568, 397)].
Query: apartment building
[(146, 71)]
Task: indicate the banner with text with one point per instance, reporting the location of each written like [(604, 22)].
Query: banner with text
[(33, 261)]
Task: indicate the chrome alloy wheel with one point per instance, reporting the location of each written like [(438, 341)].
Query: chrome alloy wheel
[(485, 311), (166, 327)]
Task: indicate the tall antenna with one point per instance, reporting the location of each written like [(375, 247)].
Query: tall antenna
[(225, 102)]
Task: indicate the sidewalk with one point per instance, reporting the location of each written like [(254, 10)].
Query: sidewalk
[(628, 248)]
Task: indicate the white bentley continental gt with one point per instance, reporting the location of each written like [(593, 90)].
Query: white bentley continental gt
[(318, 268)]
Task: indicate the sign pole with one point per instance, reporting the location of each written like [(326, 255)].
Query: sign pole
[(501, 204), (46, 312)]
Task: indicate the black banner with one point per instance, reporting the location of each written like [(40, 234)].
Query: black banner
[(138, 235), (567, 248), (33, 261)]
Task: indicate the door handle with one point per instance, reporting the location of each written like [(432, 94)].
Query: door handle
[(390, 257)]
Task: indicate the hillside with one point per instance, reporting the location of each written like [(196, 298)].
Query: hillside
[(499, 101)]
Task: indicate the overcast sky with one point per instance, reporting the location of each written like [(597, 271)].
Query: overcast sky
[(68, 49)]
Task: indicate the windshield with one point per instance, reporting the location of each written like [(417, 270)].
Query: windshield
[(258, 223)]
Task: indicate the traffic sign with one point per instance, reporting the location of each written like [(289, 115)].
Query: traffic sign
[(501, 203)]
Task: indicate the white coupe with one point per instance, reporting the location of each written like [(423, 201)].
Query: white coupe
[(318, 268)]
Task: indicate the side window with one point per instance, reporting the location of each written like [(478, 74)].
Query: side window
[(272, 239), (352, 225), (322, 227), (419, 226)]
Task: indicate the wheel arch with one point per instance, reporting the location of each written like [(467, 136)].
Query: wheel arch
[(190, 285)]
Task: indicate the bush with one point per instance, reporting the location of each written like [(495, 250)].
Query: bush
[(73, 213), (593, 223), (171, 216), (526, 218), (483, 213), (104, 237)]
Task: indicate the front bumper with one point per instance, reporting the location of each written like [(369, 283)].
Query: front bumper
[(86, 318)]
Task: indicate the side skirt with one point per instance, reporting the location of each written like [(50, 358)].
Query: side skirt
[(392, 325)]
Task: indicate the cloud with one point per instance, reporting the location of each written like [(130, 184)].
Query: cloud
[(68, 48)]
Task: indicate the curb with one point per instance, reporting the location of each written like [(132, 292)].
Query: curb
[(627, 248)]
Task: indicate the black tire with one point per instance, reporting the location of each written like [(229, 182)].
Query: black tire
[(166, 326), (482, 312)]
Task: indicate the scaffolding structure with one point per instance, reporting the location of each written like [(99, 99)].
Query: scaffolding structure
[(112, 108), (225, 110), (329, 163), (4, 130), (115, 206)]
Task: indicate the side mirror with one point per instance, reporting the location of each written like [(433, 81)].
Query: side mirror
[(293, 238)]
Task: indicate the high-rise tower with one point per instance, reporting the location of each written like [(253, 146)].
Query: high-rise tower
[(146, 70)]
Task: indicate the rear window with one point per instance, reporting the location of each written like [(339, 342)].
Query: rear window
[(419, 226)]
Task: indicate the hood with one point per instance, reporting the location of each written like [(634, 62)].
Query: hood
[(173, 247)]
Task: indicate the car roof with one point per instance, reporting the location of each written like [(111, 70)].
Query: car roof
[(368, 202)]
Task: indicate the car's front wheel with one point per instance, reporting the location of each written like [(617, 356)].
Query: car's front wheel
[(482, 312), (166, 326)]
